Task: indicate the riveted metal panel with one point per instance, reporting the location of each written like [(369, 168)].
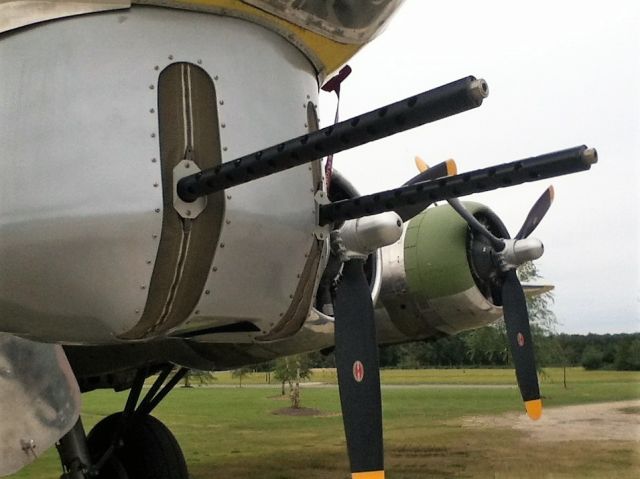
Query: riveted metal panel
[(80, 207), (79, 199), (264, 86)]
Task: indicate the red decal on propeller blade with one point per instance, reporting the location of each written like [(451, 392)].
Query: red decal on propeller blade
[(520, 339), (358, 371)]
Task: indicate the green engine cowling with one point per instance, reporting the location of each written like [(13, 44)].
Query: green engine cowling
[(429, 286)]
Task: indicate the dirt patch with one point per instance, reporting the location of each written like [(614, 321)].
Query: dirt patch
[(585, 422), (630, 410), (302, 412)]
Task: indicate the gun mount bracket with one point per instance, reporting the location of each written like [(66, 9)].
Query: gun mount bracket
[(184, 209)]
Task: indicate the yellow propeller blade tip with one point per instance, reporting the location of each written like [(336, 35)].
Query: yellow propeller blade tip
[(368, 475), (534, 408), (420, 164), (452, 168), (552, 192)]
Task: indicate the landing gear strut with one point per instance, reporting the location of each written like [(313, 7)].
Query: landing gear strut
[(127, 445), (74, 453)]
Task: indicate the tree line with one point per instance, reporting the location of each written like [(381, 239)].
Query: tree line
[(487, 347)]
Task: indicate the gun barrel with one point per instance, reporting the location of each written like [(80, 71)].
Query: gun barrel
[(430, 106), (563, 162)]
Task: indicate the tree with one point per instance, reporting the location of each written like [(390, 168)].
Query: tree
[(634, 355), (628, 355), (488, 345), (291, 370), (241, 373), (558, 353), (541, 315), (203, 377)]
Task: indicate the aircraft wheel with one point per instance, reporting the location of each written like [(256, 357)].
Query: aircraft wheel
[(113, 469), (148, 451)]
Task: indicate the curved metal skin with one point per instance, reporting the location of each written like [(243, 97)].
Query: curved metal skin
[(39, 400), (356, 351), (20, 13), (83, 253)]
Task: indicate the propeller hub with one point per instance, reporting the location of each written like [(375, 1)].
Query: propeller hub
[(519, 251), (358, 238)]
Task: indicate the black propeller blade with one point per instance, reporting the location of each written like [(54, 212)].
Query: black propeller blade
[(516, 319), (537, 212), (474, 224), (356, 352)]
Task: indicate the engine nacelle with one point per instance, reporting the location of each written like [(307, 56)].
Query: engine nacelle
[(430, 283)]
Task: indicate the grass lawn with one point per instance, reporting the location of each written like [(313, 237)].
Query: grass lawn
[(231, 432)]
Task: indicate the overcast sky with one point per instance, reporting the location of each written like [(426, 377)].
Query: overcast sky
[(561, 74)]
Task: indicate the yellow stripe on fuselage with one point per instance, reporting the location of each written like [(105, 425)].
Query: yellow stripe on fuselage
[(327, 55)]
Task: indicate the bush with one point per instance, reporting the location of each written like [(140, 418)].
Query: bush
[(591, 358), (628, 356)]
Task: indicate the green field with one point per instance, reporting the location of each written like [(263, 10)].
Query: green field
[(455, 376), (231, 432)]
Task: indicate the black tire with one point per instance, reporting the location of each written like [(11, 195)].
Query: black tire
[(113, 469), (148, 450)]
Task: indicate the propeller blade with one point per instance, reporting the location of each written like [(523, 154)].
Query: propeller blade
[(475, 225), (446, 168), (421, 164), (356, 355), (516, 319), (538, 210)]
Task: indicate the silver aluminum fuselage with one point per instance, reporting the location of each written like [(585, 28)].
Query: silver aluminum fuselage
[(80, 207)]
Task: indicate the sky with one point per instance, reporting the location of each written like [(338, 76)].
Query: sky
[(561, 74)]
